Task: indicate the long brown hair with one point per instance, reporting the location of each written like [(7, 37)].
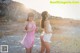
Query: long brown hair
[(44, 16)]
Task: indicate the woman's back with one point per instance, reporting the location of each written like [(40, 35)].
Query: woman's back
[(47, 28)]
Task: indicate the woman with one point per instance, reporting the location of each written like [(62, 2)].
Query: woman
[(30, 28), (46, 33)]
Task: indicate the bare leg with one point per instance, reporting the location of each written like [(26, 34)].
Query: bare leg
[(27, 50), (31, 49), (47, 46), (42, 45)]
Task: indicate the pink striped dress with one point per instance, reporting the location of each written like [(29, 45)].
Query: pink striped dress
[(28, 39)]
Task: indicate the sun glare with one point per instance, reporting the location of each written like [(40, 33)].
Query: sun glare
[(65, 11)]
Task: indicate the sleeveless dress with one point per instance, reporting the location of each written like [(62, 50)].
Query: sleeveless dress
[(28, 39)]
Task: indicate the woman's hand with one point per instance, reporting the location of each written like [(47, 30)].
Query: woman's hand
[(26, 28), (36, 29)]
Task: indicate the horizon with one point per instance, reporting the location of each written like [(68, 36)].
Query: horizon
[(61, 10)]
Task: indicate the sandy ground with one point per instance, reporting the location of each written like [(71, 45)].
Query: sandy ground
[(66, 42), (65, 39)]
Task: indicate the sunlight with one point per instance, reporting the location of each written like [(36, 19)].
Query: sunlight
[(65, 11)]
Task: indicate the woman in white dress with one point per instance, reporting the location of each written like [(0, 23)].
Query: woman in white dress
[(46, 33)]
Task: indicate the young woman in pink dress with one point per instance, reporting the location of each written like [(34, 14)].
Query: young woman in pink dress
[(30, 28)]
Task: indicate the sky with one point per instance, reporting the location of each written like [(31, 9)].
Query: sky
[(62, 10)]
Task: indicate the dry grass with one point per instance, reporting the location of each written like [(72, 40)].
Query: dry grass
[(59, 22)]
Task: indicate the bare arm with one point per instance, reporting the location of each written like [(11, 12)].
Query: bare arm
[(45, 26)]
